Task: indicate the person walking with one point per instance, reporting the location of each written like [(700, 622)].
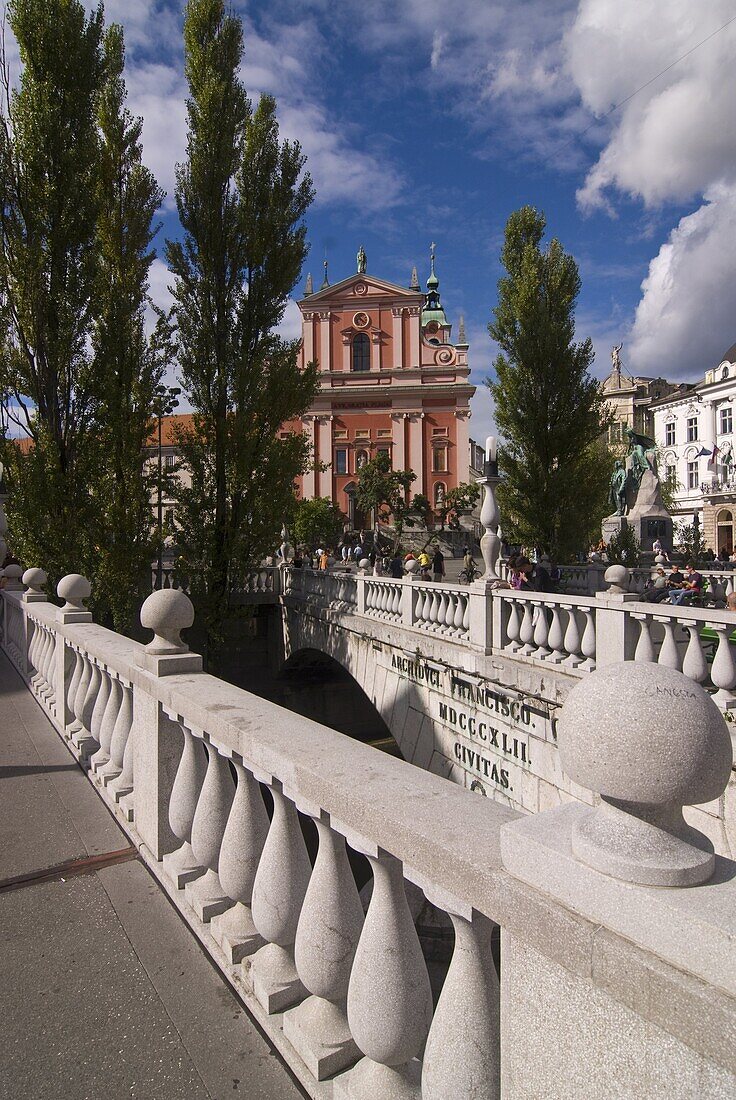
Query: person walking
[(396, 569), (438, 565)]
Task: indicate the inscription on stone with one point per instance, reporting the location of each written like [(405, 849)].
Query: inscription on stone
[(419, 671)]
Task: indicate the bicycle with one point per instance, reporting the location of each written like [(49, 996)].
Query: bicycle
[(468, 575)]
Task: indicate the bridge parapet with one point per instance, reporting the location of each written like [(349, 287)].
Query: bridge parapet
[(602, 991)]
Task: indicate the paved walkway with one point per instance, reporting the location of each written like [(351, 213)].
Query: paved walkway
[(104, 991)]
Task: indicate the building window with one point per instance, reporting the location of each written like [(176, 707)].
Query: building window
[(361, 457), (169, 461), (439, 460), (169, 517), (692, 475), (669, 434), (724, 374), (361, 352), (384, 433), (692, 429), (671, 476), (341, 461), (341, 433), (726, 421), (439, 431)]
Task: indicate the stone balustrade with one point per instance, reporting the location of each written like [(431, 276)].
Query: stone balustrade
[(259, 823)]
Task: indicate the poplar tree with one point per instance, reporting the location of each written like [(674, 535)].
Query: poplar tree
[(49, 150), (126, 365), (549, 409), (241, 197)]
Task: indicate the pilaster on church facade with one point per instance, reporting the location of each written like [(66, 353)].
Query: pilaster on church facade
[(391, 380)]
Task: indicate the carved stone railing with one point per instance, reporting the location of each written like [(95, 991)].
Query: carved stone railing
[(190, 764)]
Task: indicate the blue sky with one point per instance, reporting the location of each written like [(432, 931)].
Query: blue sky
[(426, 120)]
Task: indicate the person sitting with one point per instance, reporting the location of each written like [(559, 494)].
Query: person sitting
[(692, 587), (676, 578), (657, 589)]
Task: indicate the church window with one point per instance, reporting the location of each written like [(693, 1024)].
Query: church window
[(724, 373), (671, 477), (361, 360), (439, 460), (669, 434), (384, 433), (692, 429), (726, 421), (341, 461)]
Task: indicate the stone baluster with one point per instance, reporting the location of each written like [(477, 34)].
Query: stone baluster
[(723, 669), (389, 996), (694, 664), (424, 606), (83, 739), (526, 632), (587, 645), (541, 631), (644, 646), (107, 769), (329, 929), (206, 895), (668, 652), (107, 723), (34, 646), (280, 885), (48, 659), (72, 689), (181, 865), (242, 844), (555, 639), (470, 998), (396, 601), (459, 620), (442, 612), (513, 627), (98, 713), (120, 768), (466, 613), (434, 611)]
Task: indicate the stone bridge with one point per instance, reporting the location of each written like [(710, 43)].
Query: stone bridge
[(305, 862), (469, 680)]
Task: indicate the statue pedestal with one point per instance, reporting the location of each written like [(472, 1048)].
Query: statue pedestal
[(649, 517), (612, 525)]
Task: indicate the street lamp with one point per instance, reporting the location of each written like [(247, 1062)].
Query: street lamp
[(165, 400)]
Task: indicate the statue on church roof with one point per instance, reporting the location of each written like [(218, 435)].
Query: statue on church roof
[(616, 356), (309, 288), (362, 260), (461, 337), (414, 282), (325, 281)]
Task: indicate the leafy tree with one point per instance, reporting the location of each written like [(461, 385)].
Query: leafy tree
[(126, 365), (548, 407), (316, 522), (49, 150), (462, 498), (385, 490), (690, 542), (241, 197), (624, 548)]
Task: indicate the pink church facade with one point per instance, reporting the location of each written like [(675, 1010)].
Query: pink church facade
[(391, 380)]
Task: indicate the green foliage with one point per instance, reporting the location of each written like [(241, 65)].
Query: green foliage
[(624, 548), (49, 154), (316, 522), (126, 365), (385, 490), (548, 407), (419, 508), (463, 498), (241, 197), (690, 542)]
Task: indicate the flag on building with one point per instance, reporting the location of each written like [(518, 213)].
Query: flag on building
[(716, 450), (703, 451)]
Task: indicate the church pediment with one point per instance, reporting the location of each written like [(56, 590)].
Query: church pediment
[(360, 288)]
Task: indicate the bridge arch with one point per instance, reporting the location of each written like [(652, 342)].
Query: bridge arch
[(319, 686)]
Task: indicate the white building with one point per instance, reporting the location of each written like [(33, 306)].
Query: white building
[(694, 430)]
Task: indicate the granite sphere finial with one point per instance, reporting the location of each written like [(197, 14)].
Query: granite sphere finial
[(617, 579), (13, 574), (34, 580), (75, 589), (167, 612), (649, 740)]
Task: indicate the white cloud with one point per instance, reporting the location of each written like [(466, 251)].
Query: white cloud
[(685, 319), (157, 92), (291, 323), (676, 137)]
